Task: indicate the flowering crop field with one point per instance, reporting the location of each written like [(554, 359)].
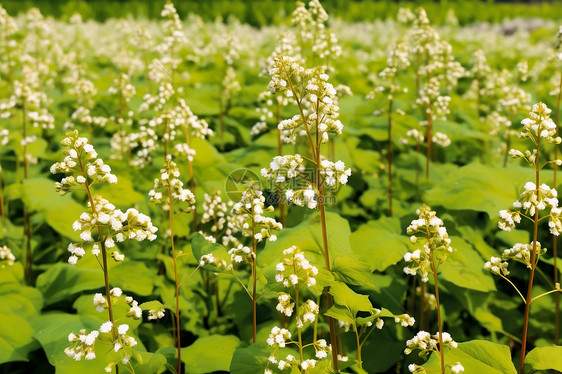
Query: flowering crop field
[(318, 196)]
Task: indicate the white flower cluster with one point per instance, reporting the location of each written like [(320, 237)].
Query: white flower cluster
[(431, 99), (4, 137), (83, 344), (431, 228), (122, 86), (295, 268), (81, 158), (215, 212), (441, 139), (118, 225), (284, 304), (278, 337), (156, 314), (522, 253), (334, 172), (7, 258), (540, 125), (414, 134), (284, 167), (497, 266), (168, 188), (312, 28), (508, 219), (427, 343), (534, 199), (241, 253), (251, 221), (212, 260)]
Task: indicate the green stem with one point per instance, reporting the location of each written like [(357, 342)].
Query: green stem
[(359, 361)]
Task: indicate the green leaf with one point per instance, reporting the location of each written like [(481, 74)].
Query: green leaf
[(477, 356), (150, 363), (250, 360), (154, 305), (201, 246), (16, 339), (457, 190), (341, 313), (62, 281), (464, 267), (210, 353), (60, 212), (388, 248), (52, 331), (20, 300), (122, 194), (346, 297), (543, 358), (307, 235)]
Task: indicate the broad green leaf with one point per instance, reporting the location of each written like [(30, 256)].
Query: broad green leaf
[(341, 313), (61, 281), (210, 353), (388, 248), (59, 212), (457, 190), (250, 360), (308, 237), (122, 194), (345, 296), (351, 271), (465, 267), (52, 330), (20, 300), (16, 339), (150, 363), (543, 358), (477, 356)]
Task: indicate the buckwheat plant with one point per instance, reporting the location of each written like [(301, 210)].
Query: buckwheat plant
[(230, 53), (397, 61), (8, 44), (102, 226), (541, 131), (173, 40), (110, 334), (314, 35), (167, 190), (434, 62), (123, 142), (251, 222), (424, 262), (427, 343), (318, 116), (297, 275), (356, 313), (28, 99), (557, 61)]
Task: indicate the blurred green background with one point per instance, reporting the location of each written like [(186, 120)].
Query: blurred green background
[(267, 12)]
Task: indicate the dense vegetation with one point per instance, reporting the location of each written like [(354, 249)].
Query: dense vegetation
[(198, 195)]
